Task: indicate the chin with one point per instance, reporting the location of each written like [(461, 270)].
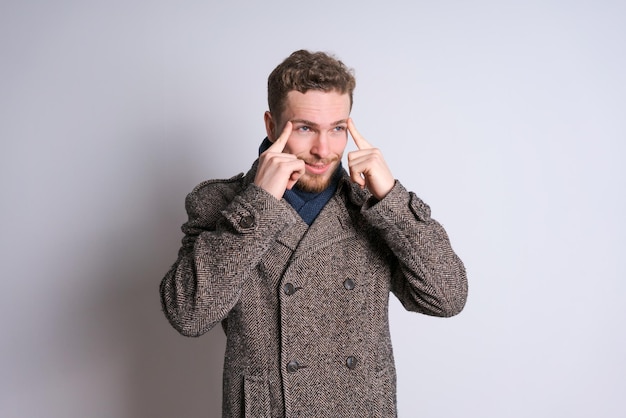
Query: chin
[(313, 184)]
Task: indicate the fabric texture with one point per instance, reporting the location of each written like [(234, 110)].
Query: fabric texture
[(305, 308)]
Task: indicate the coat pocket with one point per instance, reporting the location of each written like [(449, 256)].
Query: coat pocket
[(256, 397), (384, 394)]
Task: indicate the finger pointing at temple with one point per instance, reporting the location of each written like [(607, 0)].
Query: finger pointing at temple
[(281, 141), (360, 142), (368, 167)]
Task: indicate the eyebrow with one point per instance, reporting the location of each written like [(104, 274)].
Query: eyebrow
[(308, 122)]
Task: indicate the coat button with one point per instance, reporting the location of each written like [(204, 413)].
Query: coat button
[(246, 221), (351, 362), (290, 289), (349, 284), (293, 366)]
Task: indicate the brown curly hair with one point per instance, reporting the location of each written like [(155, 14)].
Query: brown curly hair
[(304, 70)]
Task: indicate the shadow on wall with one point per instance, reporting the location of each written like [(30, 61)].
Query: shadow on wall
[(166, 374)]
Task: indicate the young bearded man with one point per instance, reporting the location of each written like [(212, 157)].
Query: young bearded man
[(297, 258)]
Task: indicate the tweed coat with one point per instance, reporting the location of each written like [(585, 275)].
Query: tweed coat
[(305, 309)]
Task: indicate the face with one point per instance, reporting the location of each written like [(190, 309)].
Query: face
[(319, 135)]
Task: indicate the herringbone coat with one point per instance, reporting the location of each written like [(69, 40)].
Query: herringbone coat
[(305, 309)]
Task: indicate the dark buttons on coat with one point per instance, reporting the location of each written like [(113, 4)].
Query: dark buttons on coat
[(349, 284), (290, 289), (293, 366), (351, 362), (246, 221)]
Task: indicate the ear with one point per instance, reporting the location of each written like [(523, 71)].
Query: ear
[(270, 126)]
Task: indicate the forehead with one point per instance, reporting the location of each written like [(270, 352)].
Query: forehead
[(317, 106)]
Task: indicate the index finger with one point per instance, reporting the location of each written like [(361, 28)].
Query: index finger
[(360, 142), (281, 141)]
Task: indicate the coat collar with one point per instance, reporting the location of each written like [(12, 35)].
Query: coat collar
[(334, 223)]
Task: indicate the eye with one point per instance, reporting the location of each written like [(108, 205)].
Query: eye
[(304, 128), (340, 128)]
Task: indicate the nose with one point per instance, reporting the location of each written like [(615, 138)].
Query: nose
[(320, 146)]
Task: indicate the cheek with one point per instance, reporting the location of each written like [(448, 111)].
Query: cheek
[(295, 146), (340, 146)]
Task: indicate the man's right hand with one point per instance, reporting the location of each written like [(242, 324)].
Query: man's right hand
[(278, 171)]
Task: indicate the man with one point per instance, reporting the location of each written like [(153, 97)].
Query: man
[(297, 257)]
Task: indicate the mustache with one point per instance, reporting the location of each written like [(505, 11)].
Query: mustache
[(320, 161)]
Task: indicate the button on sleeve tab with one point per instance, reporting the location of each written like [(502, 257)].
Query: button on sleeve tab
[(247, 222)]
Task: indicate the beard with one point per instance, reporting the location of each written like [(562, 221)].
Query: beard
[(316, 183)]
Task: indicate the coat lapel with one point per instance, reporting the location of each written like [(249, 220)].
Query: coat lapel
[(332, 225)]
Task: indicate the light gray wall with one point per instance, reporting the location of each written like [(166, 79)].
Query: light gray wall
[(508, 118)]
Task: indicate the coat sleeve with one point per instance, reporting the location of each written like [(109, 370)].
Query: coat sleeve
[(428, 276), (225, 238)]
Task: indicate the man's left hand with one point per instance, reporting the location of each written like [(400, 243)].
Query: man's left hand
[(368, 167)]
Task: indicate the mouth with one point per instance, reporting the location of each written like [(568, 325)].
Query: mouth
[(318, 168)]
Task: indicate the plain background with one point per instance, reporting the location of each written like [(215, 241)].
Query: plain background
[(507, 117)]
